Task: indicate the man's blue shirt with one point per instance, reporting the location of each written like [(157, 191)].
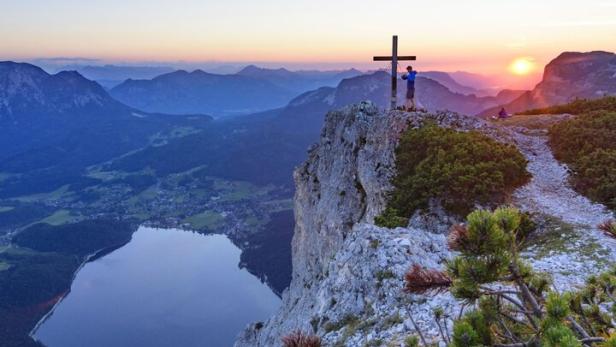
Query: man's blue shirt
[(410, 79)]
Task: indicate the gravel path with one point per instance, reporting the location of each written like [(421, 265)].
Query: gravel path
[(582, 248)]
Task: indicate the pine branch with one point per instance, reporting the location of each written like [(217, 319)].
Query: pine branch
[(421, 336), (577, 327), (523, 311), (526, 293), (592, 340), (510, 334)]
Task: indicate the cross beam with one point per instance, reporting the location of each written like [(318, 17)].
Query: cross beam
[(394, 68)]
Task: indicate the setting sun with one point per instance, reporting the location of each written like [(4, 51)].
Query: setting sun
[(522, 66)]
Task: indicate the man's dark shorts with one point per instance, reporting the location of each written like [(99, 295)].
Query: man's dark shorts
[(410, 93)]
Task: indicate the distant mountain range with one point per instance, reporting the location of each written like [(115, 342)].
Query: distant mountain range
[(110, 76), (55, 125), (571, 75), (299, 81), (251, 90), (430, 94), (255, 89), (201, 92), (446, 80)]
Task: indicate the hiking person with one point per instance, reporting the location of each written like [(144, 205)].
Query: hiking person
[(409, 77), (503, 113)]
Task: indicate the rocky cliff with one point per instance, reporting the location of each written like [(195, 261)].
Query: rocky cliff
[(347, 284)]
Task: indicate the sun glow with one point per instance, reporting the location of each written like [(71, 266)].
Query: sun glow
[(522, 66)]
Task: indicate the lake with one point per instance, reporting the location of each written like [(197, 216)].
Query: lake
[(166, 287)]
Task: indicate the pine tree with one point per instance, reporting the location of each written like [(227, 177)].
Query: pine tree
[(515, 306)]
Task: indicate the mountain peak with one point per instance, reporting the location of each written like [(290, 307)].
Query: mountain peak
[(256, 71), (12, 65), (26, 90), (571, 75)]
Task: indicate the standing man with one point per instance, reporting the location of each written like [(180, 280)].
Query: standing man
[(409, 76)]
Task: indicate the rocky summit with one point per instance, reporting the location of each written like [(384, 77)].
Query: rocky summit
[(348, 274)]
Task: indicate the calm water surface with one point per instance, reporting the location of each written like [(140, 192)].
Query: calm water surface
[(167, 287)]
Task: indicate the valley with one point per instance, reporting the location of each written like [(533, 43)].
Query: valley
[(94, 175), (147, 295)]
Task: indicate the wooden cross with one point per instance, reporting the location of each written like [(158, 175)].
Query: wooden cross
[(394, 68)]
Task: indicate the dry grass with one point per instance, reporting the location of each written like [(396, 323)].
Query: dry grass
[(456, 237), (419, 280), (609, 227), (539, 121), (299, 339)]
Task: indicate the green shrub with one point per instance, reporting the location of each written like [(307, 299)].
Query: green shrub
[(459, 169), (577, 107), (526, 310), (411, 341), (586, 144), (611, 342), (390, 219), (374, 244), (383, 275), (348, 320)]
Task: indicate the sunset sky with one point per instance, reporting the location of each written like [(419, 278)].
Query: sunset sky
[(484, 36)]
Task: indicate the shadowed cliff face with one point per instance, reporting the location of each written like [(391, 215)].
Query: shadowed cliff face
[(341, 187), (348, 274)]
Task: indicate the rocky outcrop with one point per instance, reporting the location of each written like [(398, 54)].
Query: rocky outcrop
[(348, 274), (345, 269), (26, 89)]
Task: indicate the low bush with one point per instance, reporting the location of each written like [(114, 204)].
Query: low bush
[(458, 169), (522, 307), (586, 144), (577, 107), (411, 341)]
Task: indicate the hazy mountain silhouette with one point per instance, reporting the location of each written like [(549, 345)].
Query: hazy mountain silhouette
[(571, 75), (110, 76), (445, 79), (54, 125), (251, 90), (299, 81), (376, 87), (182, 92), (473, 80)]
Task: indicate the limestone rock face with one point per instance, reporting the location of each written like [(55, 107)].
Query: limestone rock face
[(341, 187), (348, 274)]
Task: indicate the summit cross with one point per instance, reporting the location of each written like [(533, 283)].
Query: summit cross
[(394, 58)]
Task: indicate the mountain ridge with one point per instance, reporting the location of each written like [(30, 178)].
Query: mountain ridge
[(55, 125), (569, 76), (182, 92)]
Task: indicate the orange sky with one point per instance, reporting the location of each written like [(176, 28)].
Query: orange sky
[(483, 36)]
